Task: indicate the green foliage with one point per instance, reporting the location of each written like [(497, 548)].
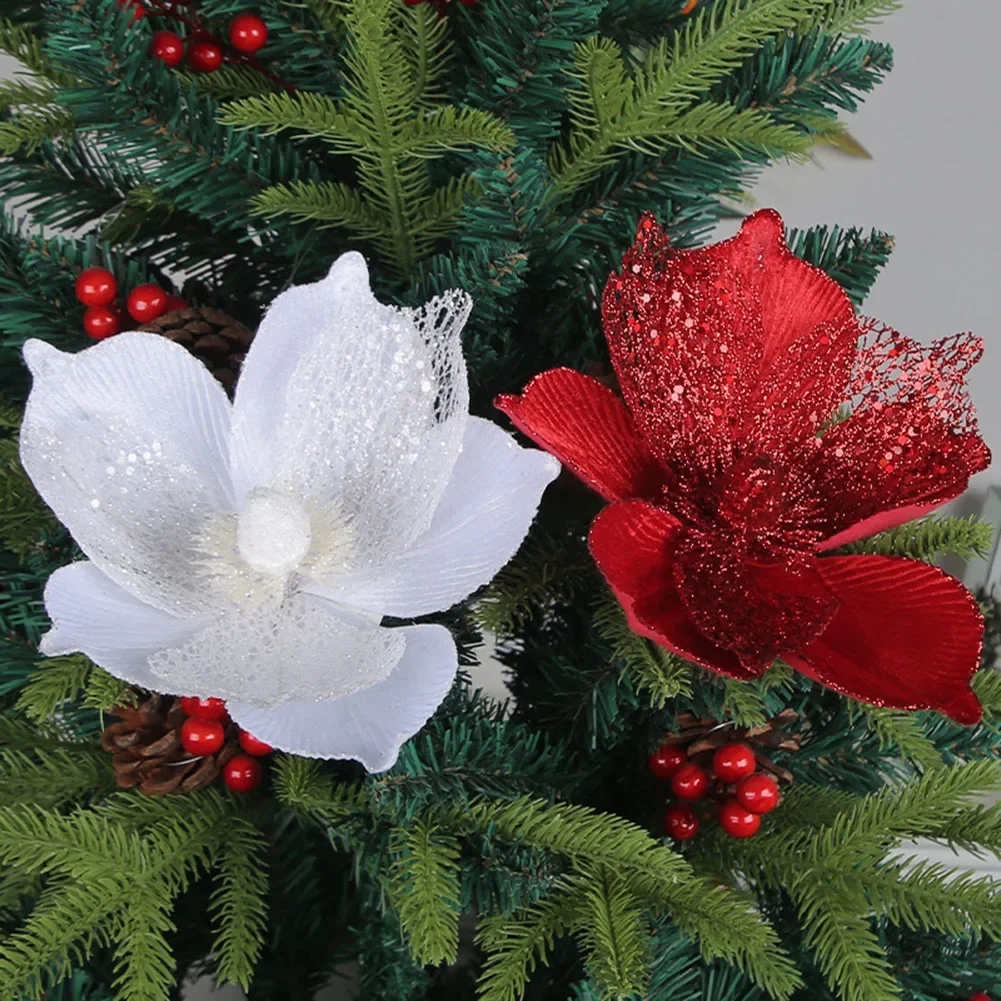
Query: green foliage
[(387, 122), (425, 891), (546, 570), (614, 936), (852, 259), (57, 680), (239, 904), (515, 946), (24, 517), (902, 733), (929, 538), (615, 111), (654, 671), (834, 856), (850, 16)]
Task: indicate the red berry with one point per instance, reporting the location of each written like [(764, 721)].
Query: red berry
[(101, 322), (203, 708), (758, 793), (242, 773), (254, 746), (248, 33), (175, 302), (980, 997), (412, 3), (204, 55), (733, 762), (738, 822), (689, 782), (681, 822), (146, 302), (96, 287), (666, 760), (202, 736), (167, 47)]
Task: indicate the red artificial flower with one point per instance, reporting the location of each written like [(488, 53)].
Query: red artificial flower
[(762, 426)]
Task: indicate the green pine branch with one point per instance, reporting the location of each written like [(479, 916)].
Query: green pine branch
[(387, 123), (615, 112), (929, 538), (848, 17), (545, 571), (424, 889), (239, 905), (57, 680), (24, 516), (850, 258), (902, 733), (614, 936), (515, 945), (657, 672), (31, 128)]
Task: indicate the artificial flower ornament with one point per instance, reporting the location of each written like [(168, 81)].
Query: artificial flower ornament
[(250, 551), (761, 427)]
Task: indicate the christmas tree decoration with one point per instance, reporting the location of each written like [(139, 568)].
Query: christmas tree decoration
[(148, 754), (690, 782), (96, 287), (346, 482), (102, 321), (248, 33), (665, 761), (202, 736), (146, 302), (242, 773), (204, 55), (207, 709), (758, 793), (254, 747), (681, 822), (212, 336), (733, 762), (288, 518), (168, 47), (732, 473), (738, 822), (980, 997)]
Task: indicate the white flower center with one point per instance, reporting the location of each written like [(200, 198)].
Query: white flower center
[(273, 533)]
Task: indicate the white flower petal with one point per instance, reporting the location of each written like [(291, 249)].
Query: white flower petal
[(92, 615), (371, 725), (127, 443), (481, 521), (354, 407), (301, 648)]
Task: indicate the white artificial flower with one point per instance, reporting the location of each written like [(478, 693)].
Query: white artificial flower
[(250, 551)]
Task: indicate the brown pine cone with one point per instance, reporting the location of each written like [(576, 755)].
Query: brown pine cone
[(146, 749), (210, 335), (701, 738)]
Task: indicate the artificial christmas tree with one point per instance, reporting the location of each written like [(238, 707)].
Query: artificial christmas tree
[(740, 688)]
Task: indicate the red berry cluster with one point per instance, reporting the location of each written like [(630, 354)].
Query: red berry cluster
[(743, 794), (980, 997), (204, 732), (247, 34), (96, 288)]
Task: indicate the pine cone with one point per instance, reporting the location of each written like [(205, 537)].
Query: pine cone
[(147, 751), (210, 335), (701, 737)]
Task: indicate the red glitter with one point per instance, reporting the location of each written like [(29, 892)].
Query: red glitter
[(771, 426)]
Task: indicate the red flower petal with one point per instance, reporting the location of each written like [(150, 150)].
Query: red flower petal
[(634, 545), (739, 341), (588, 428), (910, 445), (906, 635), (795, 296), (756, 610)]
